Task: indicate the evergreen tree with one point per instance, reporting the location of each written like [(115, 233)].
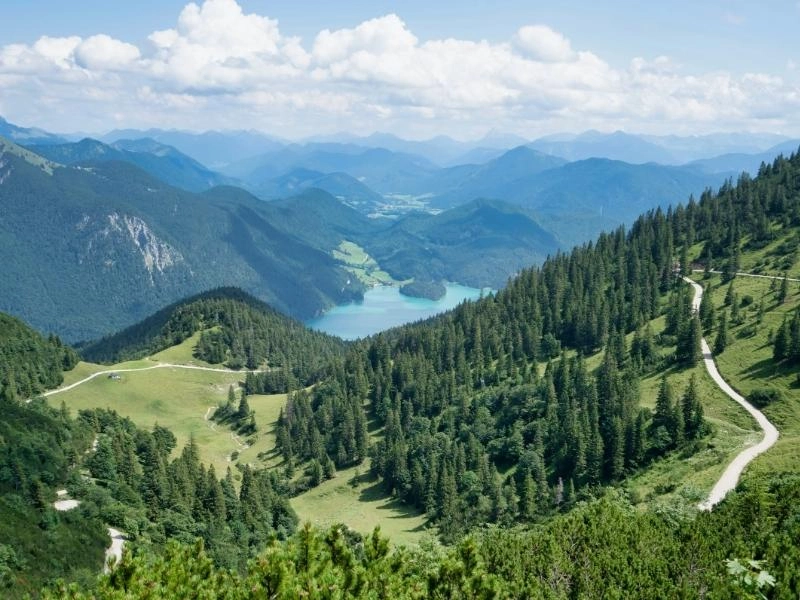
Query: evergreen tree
[(662, 427), (780, 348), (783, 292), (721, 341), (707, 310)]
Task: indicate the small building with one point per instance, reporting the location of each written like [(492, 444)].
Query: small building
[(114, 376)]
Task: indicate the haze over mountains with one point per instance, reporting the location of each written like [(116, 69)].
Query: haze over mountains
[(144, 215)]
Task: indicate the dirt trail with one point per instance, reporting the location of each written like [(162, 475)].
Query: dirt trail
[(158, 366), (115, 549), (730, 477), (65, 503)]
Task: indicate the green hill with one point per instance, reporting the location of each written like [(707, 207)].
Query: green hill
[(521, 410), (236, 329), (29, 363), (90, 249), (37, 447)]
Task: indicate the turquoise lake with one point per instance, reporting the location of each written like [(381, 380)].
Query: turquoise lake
[(384, 307)]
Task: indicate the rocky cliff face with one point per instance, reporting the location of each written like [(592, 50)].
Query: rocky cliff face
[(156, 253)]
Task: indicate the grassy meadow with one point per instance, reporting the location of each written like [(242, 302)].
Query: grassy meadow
[(747, 363), (183, 399)]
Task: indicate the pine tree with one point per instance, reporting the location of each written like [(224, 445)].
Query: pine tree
[(686, 268), (783, 292), (244, 408), (780, 348), (730, 295), (662, 425), (692, 410), (793, 351), (707, 310), (721, 341)]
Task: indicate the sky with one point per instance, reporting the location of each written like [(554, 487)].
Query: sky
[(413, 68)]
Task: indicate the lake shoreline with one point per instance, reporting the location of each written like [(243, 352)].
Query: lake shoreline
[(385, 307)]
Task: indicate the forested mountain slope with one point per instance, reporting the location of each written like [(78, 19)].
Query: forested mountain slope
[(29, 363), (481, 243), (473, 432), (604, 549), (37, 447), (87, 250), (511, 410), (238, 330)]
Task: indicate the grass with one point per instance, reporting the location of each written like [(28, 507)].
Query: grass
[(747, 364), (362, 505), (362, 265), (181, 399), (183, 353), (178, 399), (691, 477)]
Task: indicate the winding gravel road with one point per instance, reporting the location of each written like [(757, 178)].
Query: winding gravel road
[(730, 477), (115, 549), (65, 503), (158, 366)]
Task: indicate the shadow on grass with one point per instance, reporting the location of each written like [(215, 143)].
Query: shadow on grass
[(766, 369), (377, 493)]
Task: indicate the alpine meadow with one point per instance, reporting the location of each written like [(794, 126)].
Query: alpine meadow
[(564, 263)]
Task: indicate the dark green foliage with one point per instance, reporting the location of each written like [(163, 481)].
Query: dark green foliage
[(786, 344), (30, 363), (238, 330), (707, 310), (241, 419), (762, 397), (460, 399), (38, 447), (153, 496), (434, 290), (722, 339), (602, 549)]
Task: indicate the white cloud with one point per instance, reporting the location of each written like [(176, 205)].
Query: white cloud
[(101, 52), (542, 43), (219, 67)]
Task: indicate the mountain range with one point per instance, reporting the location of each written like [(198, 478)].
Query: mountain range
[(142, 216), (69, 234)]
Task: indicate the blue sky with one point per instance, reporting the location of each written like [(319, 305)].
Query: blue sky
[(630, 65)]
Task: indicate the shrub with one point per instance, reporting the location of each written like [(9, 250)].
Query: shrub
[(762, 397)]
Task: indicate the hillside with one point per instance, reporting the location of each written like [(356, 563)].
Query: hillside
[(579, 200), (604, 548), (29, 363), (27, 135), (742, 162), (473, 431), (455, 186), (37, 446), (93, 248), (480, 244), (581, 374), (342, 186), (236, 329)]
